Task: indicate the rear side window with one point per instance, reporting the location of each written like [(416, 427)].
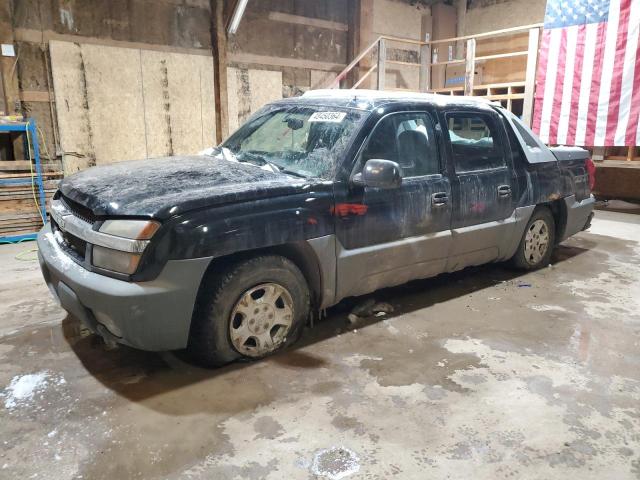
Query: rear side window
[(475, 141), (526, 136), (407, 139)]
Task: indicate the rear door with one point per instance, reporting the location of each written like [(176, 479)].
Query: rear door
[(482, 185)]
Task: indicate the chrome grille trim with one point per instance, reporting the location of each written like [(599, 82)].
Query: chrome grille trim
[(68, 222)]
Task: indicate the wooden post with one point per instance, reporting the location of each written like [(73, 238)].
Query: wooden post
[(382, 60), (598, 154), (470, 66), (630, 153), (461, 16), (219, 44), (425, 68), (530, 77), (366, 37), (353, 38)]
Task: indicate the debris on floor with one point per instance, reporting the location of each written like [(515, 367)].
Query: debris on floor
[(369, 308), (364, 309), (335, 463), (22, 388)]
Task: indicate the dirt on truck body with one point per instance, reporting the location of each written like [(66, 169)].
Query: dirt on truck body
[(315, 199)]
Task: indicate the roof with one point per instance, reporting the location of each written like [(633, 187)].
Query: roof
[(370, 99)]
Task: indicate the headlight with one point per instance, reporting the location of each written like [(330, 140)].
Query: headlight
[(115, 260), (115, 253), (134, 229)]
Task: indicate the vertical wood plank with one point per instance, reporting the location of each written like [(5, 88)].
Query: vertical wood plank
[(366, 36), (219, 46), (598, 154), (353, 38), (382, 60), (470, 66), (425, 68), (530, 76)]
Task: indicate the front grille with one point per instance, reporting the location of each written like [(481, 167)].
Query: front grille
[(80, 211), (75, 247)]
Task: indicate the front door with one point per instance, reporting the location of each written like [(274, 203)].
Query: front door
[(390, 236), (483, 200)]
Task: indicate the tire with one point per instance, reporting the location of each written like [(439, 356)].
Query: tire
[(540, 231), (239, 309)]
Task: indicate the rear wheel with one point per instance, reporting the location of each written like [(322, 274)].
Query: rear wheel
[(538, 240), (251, 310)]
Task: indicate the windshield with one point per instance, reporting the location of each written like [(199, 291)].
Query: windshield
[(304, 140)]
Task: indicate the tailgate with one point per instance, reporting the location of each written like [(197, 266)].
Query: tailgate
[(573, 167)]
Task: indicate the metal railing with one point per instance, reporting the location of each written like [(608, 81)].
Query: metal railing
[(374, 60)]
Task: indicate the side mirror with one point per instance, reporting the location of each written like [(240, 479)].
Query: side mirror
[(379, 173)]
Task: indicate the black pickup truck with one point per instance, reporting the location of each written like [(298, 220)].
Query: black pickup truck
[(333, 194)]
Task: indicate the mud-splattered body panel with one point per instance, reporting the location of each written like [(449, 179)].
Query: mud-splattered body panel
[(352, 238)]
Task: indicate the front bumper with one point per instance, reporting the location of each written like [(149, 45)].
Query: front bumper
[(153, 315)]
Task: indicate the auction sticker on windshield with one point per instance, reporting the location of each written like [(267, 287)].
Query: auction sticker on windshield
[(334, 117)]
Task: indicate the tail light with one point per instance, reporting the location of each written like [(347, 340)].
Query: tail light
[(591, 170)]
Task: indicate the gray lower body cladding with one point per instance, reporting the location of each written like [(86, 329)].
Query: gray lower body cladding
[(578, 214), (363, 270), (153, 315)]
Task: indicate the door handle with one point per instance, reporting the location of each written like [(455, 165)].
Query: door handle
[(504, 191), (439, 199)]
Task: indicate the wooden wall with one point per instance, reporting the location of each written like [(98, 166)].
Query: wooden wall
[(116, 104)]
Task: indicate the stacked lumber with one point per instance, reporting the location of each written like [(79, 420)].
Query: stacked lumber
[(19, 214)]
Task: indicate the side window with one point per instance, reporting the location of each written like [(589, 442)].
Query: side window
[(475, 141), (517, 155), (526, 136), (407, 139)]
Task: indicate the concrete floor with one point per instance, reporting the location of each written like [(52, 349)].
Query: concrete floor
[(485, 374)]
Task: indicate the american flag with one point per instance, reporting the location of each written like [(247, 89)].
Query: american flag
[(588, 78)]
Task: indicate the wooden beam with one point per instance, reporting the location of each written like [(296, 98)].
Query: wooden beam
[(38, 36), (353, 37), (35, 96), (406, 64), (366, 36), (382, 60), (219, 44), (448, 62), (365, 76), (598, 154), (250, 58), (309, 21), (470, 66), (530, 76), (498, 56), (494, 33), (424, 81), (425, 68), (336, 82)]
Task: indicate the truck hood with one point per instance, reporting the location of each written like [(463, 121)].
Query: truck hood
[(163, 187)]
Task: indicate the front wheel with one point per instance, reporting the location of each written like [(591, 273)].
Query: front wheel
[(536, 245), (250, 310)]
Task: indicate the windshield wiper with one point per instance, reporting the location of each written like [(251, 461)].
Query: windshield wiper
[(272, 165), (293, 172)]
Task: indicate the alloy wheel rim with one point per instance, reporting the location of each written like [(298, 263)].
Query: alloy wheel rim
[(536, 242), (261, 319)]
